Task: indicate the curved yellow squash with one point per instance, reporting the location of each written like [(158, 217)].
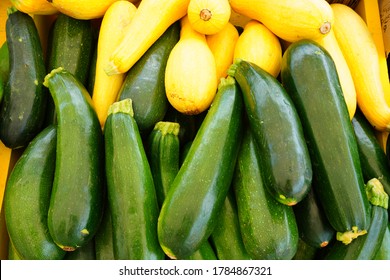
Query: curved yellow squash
[(222, 46), (257, 44), (150, 21), (330, 43), (117, 17), (290, 20), (208, 16), (35, 7), (83, 9), (361, 54), (190, 74)]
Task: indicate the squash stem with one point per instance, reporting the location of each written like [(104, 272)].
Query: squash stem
[(166, 127), (124, 106), (376, 193)]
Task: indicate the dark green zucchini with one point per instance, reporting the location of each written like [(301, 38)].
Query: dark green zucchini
[(24, 101), (367, 246), (305, 251), (384, 250), (144, 83), (310, 78), (227, 231), (196, 196), (313, 226), (86, 252), (104, 246), (27, 199), (163, 149), (268, 227), (131, 193), (373, 159), (76, 203), (4, 67), (70, 46), (277, 131)]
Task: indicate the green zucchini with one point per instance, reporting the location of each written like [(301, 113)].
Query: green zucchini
[(373, 159), (268, 227), (313, 226), (104, 246), (86, 252), (24, 101), (310, 78), (205, 252), (76, 202), (4, 62), (27, 199), (164, 156), (227, 231), (4, 67), (277, 131), (12, 253), (144, 83), (196, 196), (367, 246), (384, 250), (131, 193), (305, 251), (70, 46)]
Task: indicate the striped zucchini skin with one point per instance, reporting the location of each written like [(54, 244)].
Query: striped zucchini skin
[(203, 180), (27, 198), (76, 203), (268, 227), (278, 133), (131, 192), (22, 110), (310, 77)]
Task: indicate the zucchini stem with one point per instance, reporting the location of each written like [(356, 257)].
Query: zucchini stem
[(376, 193), (348, 236), (166, 127), (124, 106)]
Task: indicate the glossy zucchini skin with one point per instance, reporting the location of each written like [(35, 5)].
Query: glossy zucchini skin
[(27, 198), (384, 250), (76, 204), (373, 159), (4, 67), (87, 252), (144, 82), (367, 246), (227, 231), (70, 46), (163, 150), (205, 252), (104, 247), (278, 133), (131, 192), (268, 227), (313, 226), (22, 109), (310, 78), (191, 207)]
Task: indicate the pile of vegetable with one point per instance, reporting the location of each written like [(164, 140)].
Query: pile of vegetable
[(160, 130)]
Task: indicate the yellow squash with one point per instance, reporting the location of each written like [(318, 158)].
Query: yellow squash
[(257, 44), (152, 19), (83, 9), (330, 43), (190, 74), (382, 136), (117, 17), (35, 7), (222, 46), (290, 20), (361, 54), (208, 16)]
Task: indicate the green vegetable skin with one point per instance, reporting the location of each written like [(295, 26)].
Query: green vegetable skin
[(4, 67), (24, 101), (131, 193), (277, 131), (77, 198), (310, 77), (268, 227), (190, 210), (70, 46), (144, 83), (27, 198)]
